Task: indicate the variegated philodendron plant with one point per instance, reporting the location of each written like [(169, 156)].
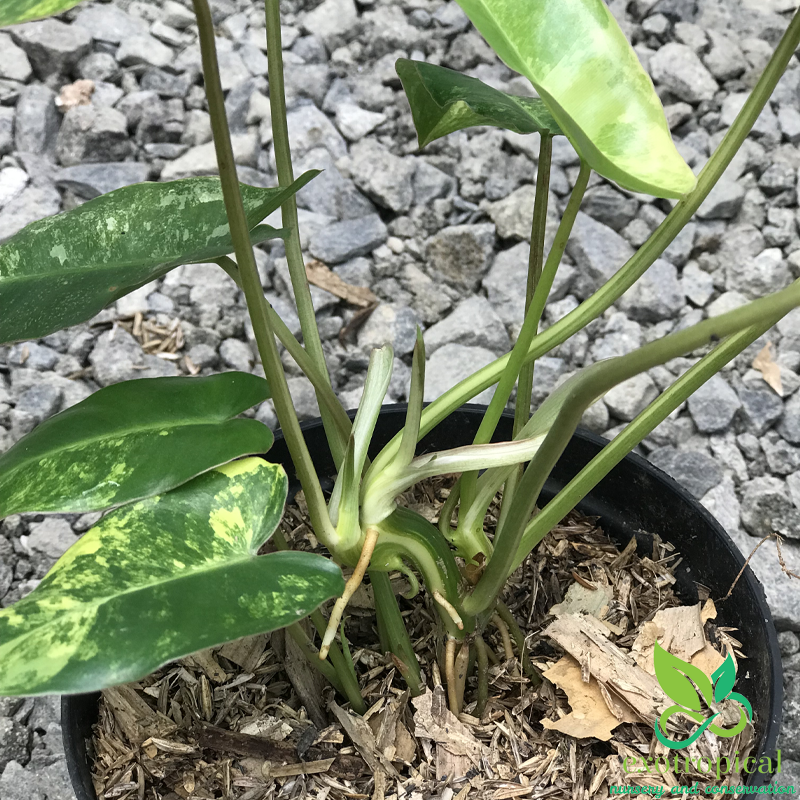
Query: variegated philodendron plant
[(174, 566)]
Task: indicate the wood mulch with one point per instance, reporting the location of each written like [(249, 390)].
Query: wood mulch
[(252, 721)]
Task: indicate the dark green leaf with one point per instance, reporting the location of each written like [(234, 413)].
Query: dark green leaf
[(724, 678), (673, 675), (582, 66), (132, 440), (64, 269), (443, 101), (159, 579), (12, 12)]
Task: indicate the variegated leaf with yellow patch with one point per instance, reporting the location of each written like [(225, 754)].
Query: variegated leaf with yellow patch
[(582, 66), (132, 440), (160, 579)]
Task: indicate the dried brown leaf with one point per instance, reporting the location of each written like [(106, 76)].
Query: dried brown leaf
[(768, 368)]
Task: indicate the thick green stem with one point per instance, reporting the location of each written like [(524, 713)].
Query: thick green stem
[(533, 674), (483, 676), (294, 255), (638, 264), (251, 283), (394, 629), (342, 665), (325, 668), (522, 410), (318, 379), (585, 388), (634, 432), (516, 365), (529, 330)]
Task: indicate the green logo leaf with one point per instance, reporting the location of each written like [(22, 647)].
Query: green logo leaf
[(724, 677), (676, 677)]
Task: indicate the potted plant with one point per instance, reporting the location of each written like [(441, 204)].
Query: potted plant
[(175, 563)]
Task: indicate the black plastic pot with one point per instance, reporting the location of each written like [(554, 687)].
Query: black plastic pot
[(635, 499)]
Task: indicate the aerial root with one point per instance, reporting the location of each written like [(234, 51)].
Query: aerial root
[(504, 634), (350, 587), (450, 609), (450, 674)]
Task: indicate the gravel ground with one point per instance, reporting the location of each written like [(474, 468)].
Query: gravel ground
[(440, 238)]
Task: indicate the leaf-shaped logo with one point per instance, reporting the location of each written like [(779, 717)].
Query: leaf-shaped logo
[(676, 676), (724, 677)]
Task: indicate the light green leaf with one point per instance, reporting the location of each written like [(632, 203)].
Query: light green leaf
[(724, 677), (582, 66), (132, 440), (674, 674), (12, 12), (160, 579), (64, 269), (443, 101)]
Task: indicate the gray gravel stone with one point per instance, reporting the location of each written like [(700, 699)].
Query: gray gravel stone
[(723, 201), (766, 508), (348, 239), (696, 471), (50, 782), (461, 253), (92, 134), (117, 357), (330, 192), (310, 128), (382, 176), (713, 405), (609, 206), (14, 64), (13, 742), (331, 20), (697, 285), (474, 323), (53, 47), (109, 23), (92, 180), (430, 183), (627, 399), (355, 122), (767, 273), (657, 295), (37, 120), (237, 354), (146, 50), (678, 68), (6, 130), (761, 409), (34, 203), (390, 323), (451, 364), (51, 538), (508, 272), (723, 504), (597, 250), (789, 427), (304, 398), (202, 160)]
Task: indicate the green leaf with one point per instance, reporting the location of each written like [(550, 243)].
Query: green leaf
[(443, 101), (132, 440), (582, 66), (12, 12), (64, 269), (674, 674), (159, 579), (724, 677)]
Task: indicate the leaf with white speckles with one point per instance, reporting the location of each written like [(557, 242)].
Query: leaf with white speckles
[(443, 101), (582, 66), (64, 269), (160, 579), (132, 440), (12, 12)]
